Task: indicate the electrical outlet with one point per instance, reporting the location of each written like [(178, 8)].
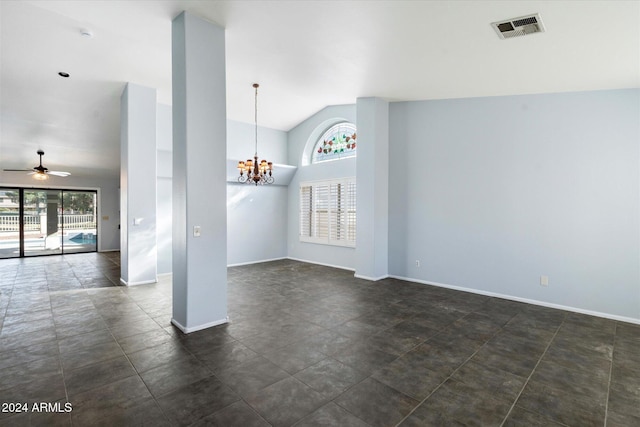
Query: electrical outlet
[(544, 280), (418, 263)]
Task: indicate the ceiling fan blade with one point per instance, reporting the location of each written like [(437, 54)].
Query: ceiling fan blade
[(40, 170)]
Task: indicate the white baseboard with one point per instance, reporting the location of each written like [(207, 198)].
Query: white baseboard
[(165, 278), (143, 282), (525, 300), (281, 258), (109, 250), (255, 262), (199, 327), (371, 279), (321, 263)]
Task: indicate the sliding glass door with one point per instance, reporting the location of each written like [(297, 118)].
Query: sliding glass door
[(9, 222), (42, 231), (79, 221), (47, 222)]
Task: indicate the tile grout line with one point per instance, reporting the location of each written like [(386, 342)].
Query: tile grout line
[(85, 290), (332, 356), (332, 400), (190, 352), (4, 316), (349, 388), (153, 397), (1, 328), (246, 403), (53, 320), (370, 376), (613, 350), (513, 405), (48, 291), (140, 301), (455, 370), (116, 341)]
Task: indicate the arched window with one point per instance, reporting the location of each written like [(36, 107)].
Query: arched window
[(338, 142)]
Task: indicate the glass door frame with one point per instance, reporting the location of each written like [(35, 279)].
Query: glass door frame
[(21, 211), (43, 233), (91, 237)]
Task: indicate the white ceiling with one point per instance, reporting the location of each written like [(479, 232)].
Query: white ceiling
[(305, 55)]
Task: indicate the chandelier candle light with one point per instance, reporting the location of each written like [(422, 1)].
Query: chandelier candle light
[(256, 172)]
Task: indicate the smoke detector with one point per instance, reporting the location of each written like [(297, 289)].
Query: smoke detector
[(517, 27)]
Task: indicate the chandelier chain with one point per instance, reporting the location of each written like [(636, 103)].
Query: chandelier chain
[(256, 115)]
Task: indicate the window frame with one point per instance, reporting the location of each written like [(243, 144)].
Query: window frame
[(339, 206), (324, 136)]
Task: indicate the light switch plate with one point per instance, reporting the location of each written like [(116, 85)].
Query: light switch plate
[(196, 231)]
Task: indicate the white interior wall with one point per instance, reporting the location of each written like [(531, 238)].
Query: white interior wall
[(512, 188), (310, 130), (492, 193), (164, 201), (241, 137), (256, 216), (256, 223), (138, 234)]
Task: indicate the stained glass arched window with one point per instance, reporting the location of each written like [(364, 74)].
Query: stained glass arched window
[(338, 142)]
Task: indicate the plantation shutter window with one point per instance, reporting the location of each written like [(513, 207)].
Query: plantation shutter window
[(306, 213), (328, 212)]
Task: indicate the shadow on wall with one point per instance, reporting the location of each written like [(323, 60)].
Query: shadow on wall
[(164, 209), (256, 223)]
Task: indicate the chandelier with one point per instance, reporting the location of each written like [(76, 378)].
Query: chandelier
[(253, 171)]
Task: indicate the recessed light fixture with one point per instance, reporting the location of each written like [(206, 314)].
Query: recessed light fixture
[(63, 74), (88, 34)]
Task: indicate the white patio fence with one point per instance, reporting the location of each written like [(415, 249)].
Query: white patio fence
[(11, 223)]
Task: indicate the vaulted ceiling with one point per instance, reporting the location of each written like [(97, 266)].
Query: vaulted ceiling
[(305, 55)]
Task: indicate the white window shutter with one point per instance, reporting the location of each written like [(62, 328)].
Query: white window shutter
[(306, 212), (328, 212)]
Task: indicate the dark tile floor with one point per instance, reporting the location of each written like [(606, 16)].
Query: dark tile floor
[(307, 346)]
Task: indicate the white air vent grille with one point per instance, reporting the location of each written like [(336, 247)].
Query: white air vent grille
[(517, 27)]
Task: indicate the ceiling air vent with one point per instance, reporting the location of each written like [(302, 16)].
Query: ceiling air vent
[(517, 27)]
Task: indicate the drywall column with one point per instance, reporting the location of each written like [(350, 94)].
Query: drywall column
[(372, 180), (138, 254), (199, 174)]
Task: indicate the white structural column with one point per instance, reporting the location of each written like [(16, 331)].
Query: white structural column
[(372, 180), (199, 174), (138, 251)]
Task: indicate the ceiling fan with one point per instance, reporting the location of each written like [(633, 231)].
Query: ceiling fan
[(40, 172)]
